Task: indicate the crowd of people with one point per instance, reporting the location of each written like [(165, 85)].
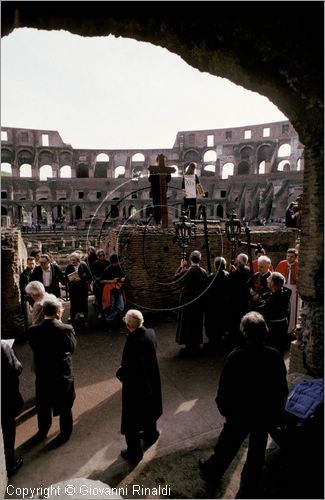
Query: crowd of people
[(104, 278), (249, 313), (218, 302)]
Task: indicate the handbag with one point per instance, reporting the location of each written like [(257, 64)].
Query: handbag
[(200, 193)]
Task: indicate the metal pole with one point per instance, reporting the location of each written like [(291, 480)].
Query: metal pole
[(206, 237)]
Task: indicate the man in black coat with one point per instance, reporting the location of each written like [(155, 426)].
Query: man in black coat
[(275, 309), (53, 344), (49, 274), (141, 388), (11, 404), (251, 394)]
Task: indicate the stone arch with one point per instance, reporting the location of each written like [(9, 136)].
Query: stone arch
[(101, 169), (191, 155), (65, 158), (45, 157), (25, 156), (7, 156), (243, 168), (230, 57), (246, 152)]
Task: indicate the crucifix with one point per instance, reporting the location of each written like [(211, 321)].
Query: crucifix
[(159, 176)]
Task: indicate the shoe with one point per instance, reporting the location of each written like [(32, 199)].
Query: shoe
[(132, 458), (99, 316), (15, 467), (59, 440), (152, 439), (207, 473), (81, 315)]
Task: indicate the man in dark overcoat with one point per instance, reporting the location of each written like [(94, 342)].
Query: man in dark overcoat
[(141, 387), (275, 309), (251, 395), (193, 280), (53, 344)]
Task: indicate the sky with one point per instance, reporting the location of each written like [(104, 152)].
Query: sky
[(116, 93)]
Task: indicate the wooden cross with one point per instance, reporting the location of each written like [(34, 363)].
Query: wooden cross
[(158, 179)]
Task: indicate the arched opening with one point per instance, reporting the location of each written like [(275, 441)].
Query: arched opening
[(132, 211), (41, 214), (102, 157), (45, 172), (137, 157), (284, 150), (261, 168), (220, 211), (210, 156), (283, 166), (243, 168), (4, 211), (119, 172), (25, 170), (82, 171), (114, 211), (65, 172), (227, 170), (78, 212), (6, 169), (208, 170)]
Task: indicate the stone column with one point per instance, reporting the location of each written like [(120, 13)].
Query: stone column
[(311, 253)]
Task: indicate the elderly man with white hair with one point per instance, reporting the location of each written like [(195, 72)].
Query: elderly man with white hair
[(36, 290), (141, 387)]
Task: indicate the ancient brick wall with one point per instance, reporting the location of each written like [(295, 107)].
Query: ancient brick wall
[(13, 261)]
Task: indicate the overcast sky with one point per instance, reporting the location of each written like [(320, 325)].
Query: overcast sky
[(110, 93)]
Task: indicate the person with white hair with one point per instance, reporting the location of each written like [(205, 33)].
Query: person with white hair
[(259, 281), (36, 290), (251, 396), (275, 309), (193, 280), (141, 387)]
